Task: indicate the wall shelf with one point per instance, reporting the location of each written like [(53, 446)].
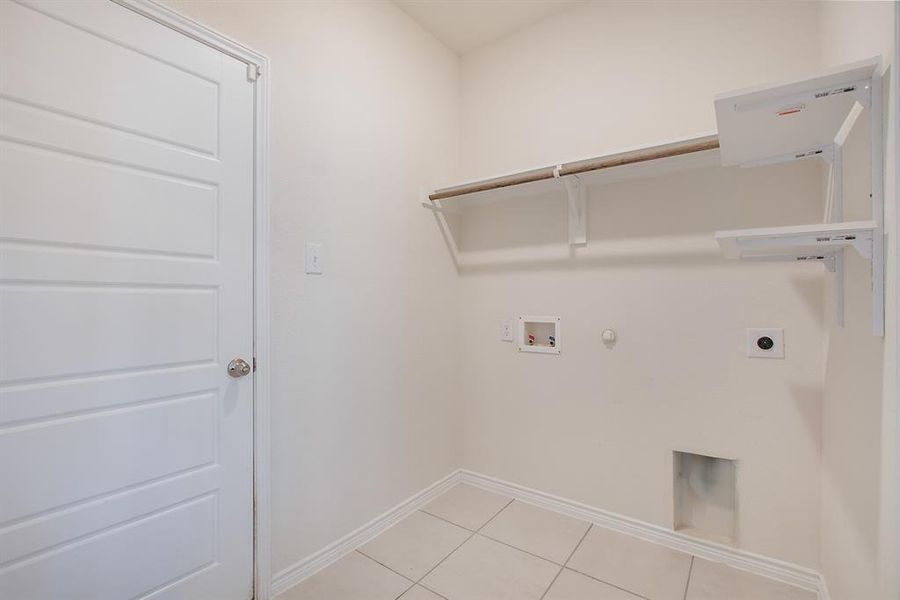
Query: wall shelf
[(801, 242), (810, 118), (799, 117)]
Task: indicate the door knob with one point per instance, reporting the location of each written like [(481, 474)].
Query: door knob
[(239, 367)]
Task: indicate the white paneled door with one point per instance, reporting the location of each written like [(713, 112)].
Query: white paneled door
[(126, 197)]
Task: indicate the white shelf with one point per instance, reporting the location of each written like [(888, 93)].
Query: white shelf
[(823, 243), (767, 122), (801, 242), (810, 117)]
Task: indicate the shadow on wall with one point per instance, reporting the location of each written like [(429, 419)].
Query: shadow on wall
[(666, 220), (808, 287), (807, 399), (852, 431)]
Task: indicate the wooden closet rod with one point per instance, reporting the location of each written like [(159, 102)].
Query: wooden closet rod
[(710, 142)]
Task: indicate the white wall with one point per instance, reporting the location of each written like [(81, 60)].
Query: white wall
[(599, 425), (375, 360), (609, 75), (859, 413), (364, 373)]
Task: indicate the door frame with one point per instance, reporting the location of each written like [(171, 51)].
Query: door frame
[(257, 64)]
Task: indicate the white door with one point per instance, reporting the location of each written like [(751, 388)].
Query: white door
[(126, 163)]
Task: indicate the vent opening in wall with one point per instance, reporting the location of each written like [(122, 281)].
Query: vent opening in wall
[(539, 334), (706, 497)]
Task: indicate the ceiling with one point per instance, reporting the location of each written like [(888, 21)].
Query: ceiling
[(464, 25)]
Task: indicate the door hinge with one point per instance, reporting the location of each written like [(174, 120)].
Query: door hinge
[(253, 72), (254, 364)]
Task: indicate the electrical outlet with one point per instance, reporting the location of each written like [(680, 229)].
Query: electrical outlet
[(313, 258), (765, 343), (506, 331)]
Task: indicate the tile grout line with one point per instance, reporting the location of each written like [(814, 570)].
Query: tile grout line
[(633, 593), (432, 591), (495, 515), (563, 566), (440, 562), (418, 582), (471, 535), (486, 523), (421, 510), (412, 583), (618, 587), (508, 545), (566, 566), (552, 581), (385, 566), (578, 545), (687, 584)]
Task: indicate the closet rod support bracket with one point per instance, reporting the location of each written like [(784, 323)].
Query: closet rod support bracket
[(438, 209), (577, 204)]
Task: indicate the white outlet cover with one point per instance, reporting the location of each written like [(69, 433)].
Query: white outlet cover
[(506, 331), (755, 351), (314, 258)]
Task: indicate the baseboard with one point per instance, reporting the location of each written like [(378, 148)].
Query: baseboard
[(302, 569), (772, 568)]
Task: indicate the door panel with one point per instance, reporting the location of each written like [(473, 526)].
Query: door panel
[(137, 206), (177, 541), (106, 441), (126, 164), (51, 323), (121, 100)]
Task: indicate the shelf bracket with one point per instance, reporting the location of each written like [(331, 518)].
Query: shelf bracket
[(577, 203), (829, 260), (864, 247), (863, 93), (876, 124), (438, 209), (837, 282), (823, 152), (834, 264)]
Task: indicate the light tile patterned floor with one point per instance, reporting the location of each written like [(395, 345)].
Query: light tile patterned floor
[(470, 544)]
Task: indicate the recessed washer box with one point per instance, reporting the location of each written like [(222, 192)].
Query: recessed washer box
[(539, 334)]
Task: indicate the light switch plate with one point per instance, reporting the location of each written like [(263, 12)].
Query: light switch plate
[(313, 258), (758, 341)]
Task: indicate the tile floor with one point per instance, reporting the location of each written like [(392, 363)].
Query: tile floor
[(470, 544)]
